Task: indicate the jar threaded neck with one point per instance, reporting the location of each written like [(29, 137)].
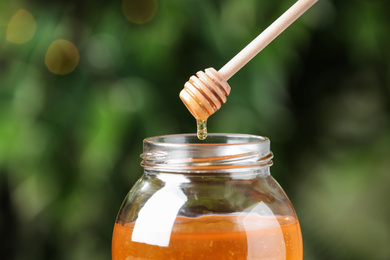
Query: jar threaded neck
[(219, 153)]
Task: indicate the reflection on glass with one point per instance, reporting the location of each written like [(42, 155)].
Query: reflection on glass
[(264, 233), (156, 219)]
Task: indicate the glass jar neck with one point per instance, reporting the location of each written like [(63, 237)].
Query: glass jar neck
[(218, 154)]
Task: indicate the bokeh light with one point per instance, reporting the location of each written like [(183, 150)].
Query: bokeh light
[(62, 57), (103, 51), (139, 11), (21, 28)]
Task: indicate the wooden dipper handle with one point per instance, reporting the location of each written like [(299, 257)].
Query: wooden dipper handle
[(267, 36), (204, 93)]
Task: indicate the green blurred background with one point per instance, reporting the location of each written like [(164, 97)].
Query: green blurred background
[(82, 83)]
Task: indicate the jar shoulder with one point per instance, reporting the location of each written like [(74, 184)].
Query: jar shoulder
[(197, 196)]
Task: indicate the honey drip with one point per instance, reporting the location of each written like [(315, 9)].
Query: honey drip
[(201, 129), (203, 95)]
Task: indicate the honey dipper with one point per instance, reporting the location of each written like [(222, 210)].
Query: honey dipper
[(204, 93)]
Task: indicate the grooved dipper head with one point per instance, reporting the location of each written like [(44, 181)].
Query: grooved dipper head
[(204, 93)]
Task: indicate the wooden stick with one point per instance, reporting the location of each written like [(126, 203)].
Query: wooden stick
[(204, 93), (268, 35)]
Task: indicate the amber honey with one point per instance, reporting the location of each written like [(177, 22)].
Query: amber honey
[(217, 237)]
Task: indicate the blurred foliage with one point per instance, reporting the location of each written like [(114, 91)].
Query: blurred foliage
[(73, 116)]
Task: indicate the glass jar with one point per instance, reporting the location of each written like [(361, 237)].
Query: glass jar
[(212, 199)]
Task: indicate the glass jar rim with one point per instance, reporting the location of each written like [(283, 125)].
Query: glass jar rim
[(212, 139), (218, 153)]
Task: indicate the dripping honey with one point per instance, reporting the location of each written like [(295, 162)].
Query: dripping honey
[(201, 129)]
